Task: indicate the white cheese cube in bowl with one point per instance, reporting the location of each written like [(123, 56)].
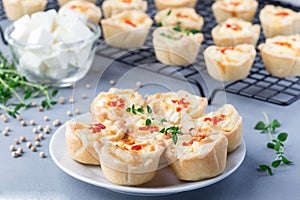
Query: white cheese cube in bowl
[(57, 50), (40, 36), (31, 62)]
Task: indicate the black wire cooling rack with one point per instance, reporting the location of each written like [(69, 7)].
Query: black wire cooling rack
[(258, 85)]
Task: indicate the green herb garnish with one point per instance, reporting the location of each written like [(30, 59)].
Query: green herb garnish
[(159, 24), (149, 110), (173, 130), (169, 12), (276, 143), (15, 86)]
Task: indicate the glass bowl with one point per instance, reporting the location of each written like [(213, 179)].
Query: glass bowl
[(58, 65)]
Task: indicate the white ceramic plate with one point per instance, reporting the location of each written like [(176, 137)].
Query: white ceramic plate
[(164, 182)]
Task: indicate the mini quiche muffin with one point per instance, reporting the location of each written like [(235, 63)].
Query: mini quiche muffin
[(185, 18), (63, 2), (176, 106), (235, 31), (244, 9), (225, 121), (281, 55), (130, 161), (229, 63), (17, 8), (128, 29), (173, 47), (113, 7), (88, 9), (276, 20), (163, 4), (80, 138), (112, 105), (197, 158)]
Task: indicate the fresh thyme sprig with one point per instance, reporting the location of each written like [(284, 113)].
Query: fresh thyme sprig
[(134, 111), (276, 143), (16, 90), (173, 130)]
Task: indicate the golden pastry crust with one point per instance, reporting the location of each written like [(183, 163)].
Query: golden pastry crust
[(186, 18), (197, 158), (229, 63), (80, 139), (63, 2), (244, 9), (276, 20), (176, 48), (226, 121), (163, 4), (16, 9), (281, 55), (134, 161), (234, 31), (128, 29), (112, 105), (88, 9), (176, 106), (113, 7)]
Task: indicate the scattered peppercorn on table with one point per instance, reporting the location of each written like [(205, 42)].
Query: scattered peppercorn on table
[(29, 172)]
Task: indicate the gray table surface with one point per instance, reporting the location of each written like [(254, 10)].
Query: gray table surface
[(30, 177)]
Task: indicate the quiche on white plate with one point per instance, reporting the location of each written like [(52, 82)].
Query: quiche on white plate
[(244, 9), (130, 161), (276, 20), (17, 8), (235, 31), (112, 105), (176, 47), (128, 29), (229, 63), (281, 55), (197, 158), (86, 8), (162, 4), (185, 18), (113, 7), (80, 138), (226, 121), (174, 107)]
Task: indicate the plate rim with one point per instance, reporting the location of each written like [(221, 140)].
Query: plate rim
[(149, 191)]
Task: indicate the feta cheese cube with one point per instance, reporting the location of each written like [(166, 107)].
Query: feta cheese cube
[(40, 36), (23, 21), (20, 33), (58, 59), (80, 30), (42, 20), (31, 62)]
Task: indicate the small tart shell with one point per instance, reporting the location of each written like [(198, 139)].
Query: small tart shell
[(229, 71), (101, 111), (89, 9), (234, 134), (16, 9), (187, 17), (192, 107), (119, 34), (222, 12), (280, 26), (205, 161), (163, 4), (63, 2), (280, 65), (80, 141), (179, 52), (113, 7), (132, 168), (222, 39)]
